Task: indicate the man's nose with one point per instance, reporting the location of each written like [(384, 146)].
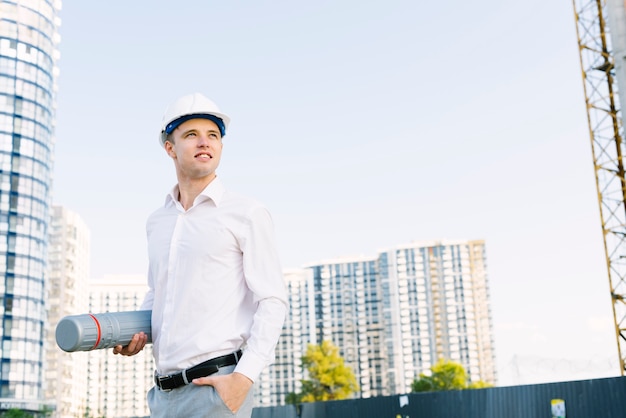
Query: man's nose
[(203, 140)]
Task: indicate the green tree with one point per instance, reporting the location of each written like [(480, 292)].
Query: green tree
[(293, 398), (45, 411), (445, 375), (15, 413), (329, 378), (479, 385)]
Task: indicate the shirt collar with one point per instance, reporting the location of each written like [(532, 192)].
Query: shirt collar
[(213, 191)]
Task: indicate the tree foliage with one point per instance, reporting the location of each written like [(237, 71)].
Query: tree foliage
[(45, 411), (329, 378), (15, 413), (445, 375), (479, 385)]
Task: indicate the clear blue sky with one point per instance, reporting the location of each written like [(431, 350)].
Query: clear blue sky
[(361, 125)]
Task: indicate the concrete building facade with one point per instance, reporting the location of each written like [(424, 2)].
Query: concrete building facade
[(68, 294)]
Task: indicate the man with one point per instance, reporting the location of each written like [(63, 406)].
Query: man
[(216, 289)]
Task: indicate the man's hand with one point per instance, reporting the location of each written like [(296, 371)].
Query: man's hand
[(232, 388), (134, 346)]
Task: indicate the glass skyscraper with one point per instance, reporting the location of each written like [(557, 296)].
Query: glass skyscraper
[(28, 53)]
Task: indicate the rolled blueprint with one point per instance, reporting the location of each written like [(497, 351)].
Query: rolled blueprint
[(88, 332)]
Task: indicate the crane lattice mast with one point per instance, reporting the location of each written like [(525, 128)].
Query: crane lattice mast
[(606, 128)]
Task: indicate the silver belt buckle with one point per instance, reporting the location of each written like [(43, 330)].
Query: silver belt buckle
[(159, 379)]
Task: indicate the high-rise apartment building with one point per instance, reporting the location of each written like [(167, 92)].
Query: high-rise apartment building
[(68, 271), (392, 316), (436, 305), (117, 385), (348, 308), (28, 54)]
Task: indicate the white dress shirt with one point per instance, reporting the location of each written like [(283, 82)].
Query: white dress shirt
[(215, 282)]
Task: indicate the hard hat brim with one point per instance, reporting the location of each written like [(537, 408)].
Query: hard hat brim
[(220, 119)]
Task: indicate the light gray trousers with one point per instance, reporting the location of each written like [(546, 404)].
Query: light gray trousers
[(193, 401)]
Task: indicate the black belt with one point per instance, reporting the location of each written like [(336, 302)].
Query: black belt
[(172, 381)]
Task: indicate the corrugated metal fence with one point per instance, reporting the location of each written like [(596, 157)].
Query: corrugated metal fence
[(596, 398)]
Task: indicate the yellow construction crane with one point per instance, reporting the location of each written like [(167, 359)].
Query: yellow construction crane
[(601, 30)]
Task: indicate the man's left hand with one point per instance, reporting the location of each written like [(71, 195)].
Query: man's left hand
[(232, 388)]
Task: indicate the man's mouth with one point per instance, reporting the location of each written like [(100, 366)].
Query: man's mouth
[(204, 155)]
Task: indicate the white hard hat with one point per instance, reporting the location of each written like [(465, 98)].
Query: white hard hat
[(188, 107)]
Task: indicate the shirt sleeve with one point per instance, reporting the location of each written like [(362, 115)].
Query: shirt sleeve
[(264, 278), (148, 299)]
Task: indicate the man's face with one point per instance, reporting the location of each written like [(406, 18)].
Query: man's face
[(196, 148)]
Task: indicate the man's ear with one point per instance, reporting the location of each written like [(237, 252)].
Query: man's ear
[(169, 148)]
